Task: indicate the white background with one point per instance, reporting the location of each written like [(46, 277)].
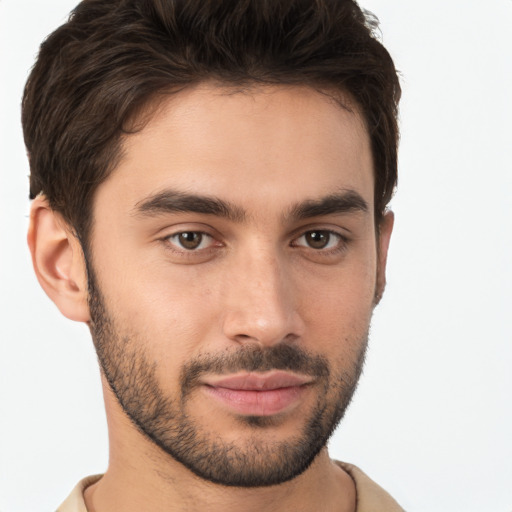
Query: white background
[(432, 419)]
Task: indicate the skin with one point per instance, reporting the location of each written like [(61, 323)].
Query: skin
[(255, 282)]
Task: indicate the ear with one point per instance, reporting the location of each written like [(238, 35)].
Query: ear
[(384, 236), (58, 260)]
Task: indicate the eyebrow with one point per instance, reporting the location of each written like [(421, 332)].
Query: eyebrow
[(346, 201), (172, 201)]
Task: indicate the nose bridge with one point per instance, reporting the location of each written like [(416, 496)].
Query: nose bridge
[(261, 303)]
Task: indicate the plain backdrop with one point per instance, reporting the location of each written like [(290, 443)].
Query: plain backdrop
[(432, 418)]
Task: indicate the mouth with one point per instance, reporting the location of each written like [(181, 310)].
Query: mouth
[(258, 394)]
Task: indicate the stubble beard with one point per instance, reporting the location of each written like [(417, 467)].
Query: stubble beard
[(167, 422)]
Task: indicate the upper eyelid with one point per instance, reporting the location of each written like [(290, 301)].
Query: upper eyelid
[(181, 231), (341, 232), (322, 225), (182, 252), (320, 230), (203, 229), (342, 237), (215, 234)]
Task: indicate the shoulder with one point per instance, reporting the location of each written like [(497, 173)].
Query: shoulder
[(371, 497), (75, 501)]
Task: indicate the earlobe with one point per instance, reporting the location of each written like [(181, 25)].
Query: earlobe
[(58, 261), (385, 230)]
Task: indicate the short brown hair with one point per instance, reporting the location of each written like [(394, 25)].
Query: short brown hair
[(112, 56)]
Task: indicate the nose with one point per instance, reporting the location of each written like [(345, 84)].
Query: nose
[(261, 305)]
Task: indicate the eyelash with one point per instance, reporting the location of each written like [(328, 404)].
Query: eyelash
[(340, 244), (181, 251)]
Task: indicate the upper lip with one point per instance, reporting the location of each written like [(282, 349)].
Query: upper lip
[(255, 381)]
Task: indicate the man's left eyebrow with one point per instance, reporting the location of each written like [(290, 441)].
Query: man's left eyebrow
[(344, 202)]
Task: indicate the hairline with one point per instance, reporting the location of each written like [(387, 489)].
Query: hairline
[(140, 115)]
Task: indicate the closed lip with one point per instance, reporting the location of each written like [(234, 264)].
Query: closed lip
[(254, 381)]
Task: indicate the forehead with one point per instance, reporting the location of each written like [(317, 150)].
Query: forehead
[(277, 144)]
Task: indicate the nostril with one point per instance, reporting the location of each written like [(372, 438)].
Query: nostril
[(287, 339)]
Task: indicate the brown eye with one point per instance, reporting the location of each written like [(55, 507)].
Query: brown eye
[(317, 239), (190, 240), (320, 240)]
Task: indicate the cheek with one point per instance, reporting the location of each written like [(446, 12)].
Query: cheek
[(167, 315), (339, 310)]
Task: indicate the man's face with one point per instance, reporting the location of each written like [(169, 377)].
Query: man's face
[(234, 269)]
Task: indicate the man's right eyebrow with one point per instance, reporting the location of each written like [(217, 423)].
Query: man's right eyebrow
[(172, 201)]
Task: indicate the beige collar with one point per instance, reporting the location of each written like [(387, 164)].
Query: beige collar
[(370, 496)]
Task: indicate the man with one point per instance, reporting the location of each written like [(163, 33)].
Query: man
[(209, 185)]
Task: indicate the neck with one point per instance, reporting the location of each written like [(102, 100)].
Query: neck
[(142, 478)]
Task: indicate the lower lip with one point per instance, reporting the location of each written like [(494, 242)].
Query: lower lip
[(257, 403)]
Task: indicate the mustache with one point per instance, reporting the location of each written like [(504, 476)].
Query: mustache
[(254, 359)]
